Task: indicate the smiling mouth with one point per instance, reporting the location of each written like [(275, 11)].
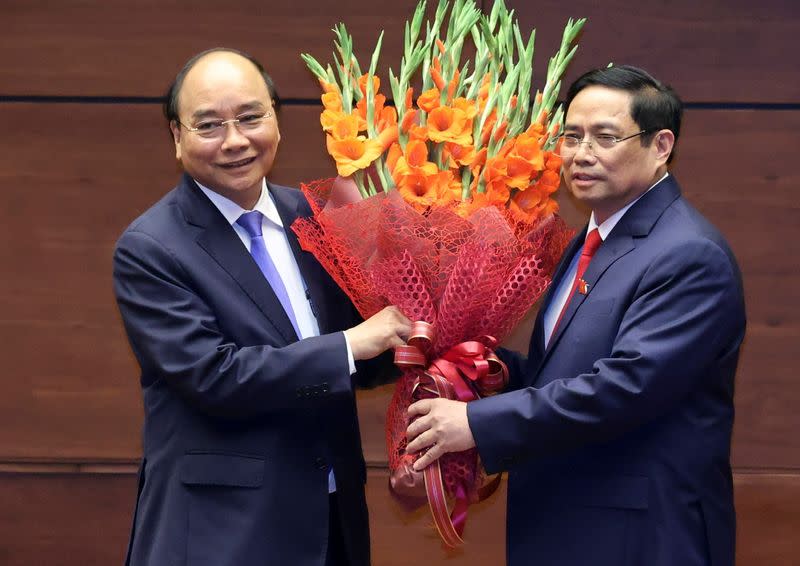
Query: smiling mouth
[(583, 177), (236, 164)]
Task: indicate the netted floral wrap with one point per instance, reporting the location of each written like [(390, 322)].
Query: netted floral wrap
[(472, 279)]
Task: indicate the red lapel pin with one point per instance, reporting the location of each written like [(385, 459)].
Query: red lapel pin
[(583, 287)]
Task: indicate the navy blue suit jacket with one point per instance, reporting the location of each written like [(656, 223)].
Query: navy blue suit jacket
[(617, 436), (242, 421)]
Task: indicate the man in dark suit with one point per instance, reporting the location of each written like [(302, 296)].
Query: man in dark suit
[(252, 454), (616, 429)]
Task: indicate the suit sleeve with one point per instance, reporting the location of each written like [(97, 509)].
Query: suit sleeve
[(687, 314), (516, 363), (175, 337)]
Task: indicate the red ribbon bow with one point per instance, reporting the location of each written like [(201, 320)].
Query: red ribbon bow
[(465, 372)]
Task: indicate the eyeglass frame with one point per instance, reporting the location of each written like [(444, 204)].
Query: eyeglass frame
[(589, 141), (220, 124)]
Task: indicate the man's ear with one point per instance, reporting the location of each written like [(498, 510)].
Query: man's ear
[(175, 128), (662, 143)]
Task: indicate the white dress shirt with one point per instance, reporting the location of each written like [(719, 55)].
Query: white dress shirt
[(565, 286)]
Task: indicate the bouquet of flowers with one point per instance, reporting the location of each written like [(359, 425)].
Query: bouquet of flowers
[(443, 206)]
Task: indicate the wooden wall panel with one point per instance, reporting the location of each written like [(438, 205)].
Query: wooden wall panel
[(119, 48), (84, 520), (72, 176), (68, 364), (711, 51), (65, 519)]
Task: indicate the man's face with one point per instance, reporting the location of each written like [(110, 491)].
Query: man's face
[(223, 86), (608, 179)]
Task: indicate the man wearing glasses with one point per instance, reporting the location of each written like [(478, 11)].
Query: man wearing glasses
[(616, 428), (252, 452)]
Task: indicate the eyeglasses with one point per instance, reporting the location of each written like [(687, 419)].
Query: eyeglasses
[(569, 143), (215, 129)]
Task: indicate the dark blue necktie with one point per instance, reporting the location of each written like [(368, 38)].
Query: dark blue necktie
[(251, 222)]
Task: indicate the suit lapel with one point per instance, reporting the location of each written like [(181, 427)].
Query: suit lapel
[(537, 337), (220, 241), (288, 202), (635, 223), (616, 246)]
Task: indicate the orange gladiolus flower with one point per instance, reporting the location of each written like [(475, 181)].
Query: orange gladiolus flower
[(528, 148), (535, 130), (387, 137), (448, 188), (519, 171), (496, 168), (532, 204), (436, 74), (501, 131), (429, 100), (553, 162), (479, 160), (419, 133), (329, 118), (480, 200), (418, 189), (423, 191), (451, 87), (483, 91), (361, 107), (488, 126), (548, 182), (352, 154), (386, 119), (498, 191), (332, 101), (395, 153), (448, 124), (414, 161), (362, 84), (409, 120), (327, 87), (344, 126), (459, 155), (409, 97), (467, 106)]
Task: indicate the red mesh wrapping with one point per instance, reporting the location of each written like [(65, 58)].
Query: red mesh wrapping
[(468, 277)]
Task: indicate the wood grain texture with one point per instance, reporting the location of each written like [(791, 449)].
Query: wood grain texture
[(118, 48), (711, 51), (715, 51), (84, 520), (68, 192)]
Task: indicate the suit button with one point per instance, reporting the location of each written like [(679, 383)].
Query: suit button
[(325, 388), (321, 463)]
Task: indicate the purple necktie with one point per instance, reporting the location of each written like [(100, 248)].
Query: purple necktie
[(251, 222)]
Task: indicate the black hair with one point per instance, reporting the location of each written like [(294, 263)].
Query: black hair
[(655, 106), (171, 99)]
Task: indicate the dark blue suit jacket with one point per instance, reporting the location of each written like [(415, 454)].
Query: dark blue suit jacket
[(242, 420), (617, 436)]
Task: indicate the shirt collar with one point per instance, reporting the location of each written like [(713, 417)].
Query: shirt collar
[(232, 211), (606, 227)]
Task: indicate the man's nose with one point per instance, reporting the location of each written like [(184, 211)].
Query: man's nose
[(585, 151), (232, 136)]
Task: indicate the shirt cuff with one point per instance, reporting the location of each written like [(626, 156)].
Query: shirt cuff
[(350, 361)]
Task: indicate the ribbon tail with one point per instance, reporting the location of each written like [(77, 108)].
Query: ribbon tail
[(434, 487)]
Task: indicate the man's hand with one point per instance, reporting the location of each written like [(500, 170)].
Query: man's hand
[(386, 329), (442, 427)]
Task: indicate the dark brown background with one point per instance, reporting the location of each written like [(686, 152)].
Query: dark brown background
[(85, 150)]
